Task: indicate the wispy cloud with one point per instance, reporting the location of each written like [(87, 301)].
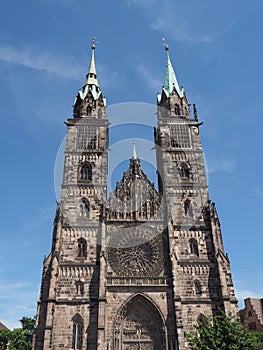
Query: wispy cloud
[(20, 298), (243, 294), (177, 20), (64, 66), (138, 2), (178, 30), (148, 77), (221, 165)]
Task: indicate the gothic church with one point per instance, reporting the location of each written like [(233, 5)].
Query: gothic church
[(138, 269)]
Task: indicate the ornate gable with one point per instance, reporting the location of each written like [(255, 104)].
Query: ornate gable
[(135, 197)]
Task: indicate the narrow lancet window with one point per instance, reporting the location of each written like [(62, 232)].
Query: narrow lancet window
[(82, 248), (188, 210), (84, 208), (185, 171), (193, 247), (85, 172), (77, 333), (197, 288)]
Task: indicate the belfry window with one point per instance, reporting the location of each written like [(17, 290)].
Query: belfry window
[(82, 248), (84, 208), (179, 134), (77, 333), (193, 247), (87, 138), (85, 172)]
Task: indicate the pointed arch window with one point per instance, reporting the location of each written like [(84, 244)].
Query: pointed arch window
[(185, 171), (177, 109), (85, 172), (84, 208), (193, 247), (82, 248), (188, 210), (77, 332), (202, 320), (197, 288)]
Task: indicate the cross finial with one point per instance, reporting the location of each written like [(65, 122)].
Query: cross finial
[(165, 43), (93, 42)]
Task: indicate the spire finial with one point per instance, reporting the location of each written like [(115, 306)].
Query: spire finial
[(165, 43), (134, 153), (93, 46)]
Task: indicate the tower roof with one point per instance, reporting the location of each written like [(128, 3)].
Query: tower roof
[(91, 84), (170, 80), (91, 77)]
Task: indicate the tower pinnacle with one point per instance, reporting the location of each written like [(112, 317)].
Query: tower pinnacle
[(134, 153), (89, 100), (170, 80), (91, 77)]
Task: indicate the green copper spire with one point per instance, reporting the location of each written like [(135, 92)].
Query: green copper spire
[(134, 153), (170, 81)]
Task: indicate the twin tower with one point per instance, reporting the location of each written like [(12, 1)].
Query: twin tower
[(138, 269)]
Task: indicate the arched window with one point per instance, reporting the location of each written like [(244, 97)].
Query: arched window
[(84, 208), (85, 172), (185, 170), (188, 210), (202, 319), (193, 247), (197, 288), (77, 332), (82, 248), (89, 110), (177, 109), (79, 288)]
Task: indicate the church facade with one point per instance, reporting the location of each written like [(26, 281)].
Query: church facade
[(138, 269)]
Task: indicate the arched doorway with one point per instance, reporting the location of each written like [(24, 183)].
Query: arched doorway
[(139, 326)]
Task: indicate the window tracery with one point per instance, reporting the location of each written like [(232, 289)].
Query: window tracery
[(84, 208), (85, 172), (82, 248), (77, 332)]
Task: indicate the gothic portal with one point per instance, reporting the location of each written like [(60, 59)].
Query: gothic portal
[(138, 269)]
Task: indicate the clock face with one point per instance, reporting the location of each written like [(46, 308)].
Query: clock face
[(135, 254)]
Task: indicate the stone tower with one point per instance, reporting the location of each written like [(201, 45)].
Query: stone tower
[(136, 270)]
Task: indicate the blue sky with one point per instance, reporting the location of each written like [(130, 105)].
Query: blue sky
[(216, 49)]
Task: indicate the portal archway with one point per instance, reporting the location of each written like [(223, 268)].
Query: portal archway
[(139, 326)]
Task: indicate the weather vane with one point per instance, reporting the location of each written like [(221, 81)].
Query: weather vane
[(165, 43)]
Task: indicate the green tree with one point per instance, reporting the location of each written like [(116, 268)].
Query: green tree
[(19, 338), (222, 332), (5, 336)]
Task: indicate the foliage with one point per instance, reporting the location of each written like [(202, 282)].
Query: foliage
[(222, 332), (5, 336), (19, 338), (258, 339)]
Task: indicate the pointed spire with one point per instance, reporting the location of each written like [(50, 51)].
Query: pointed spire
[(134, 153), (91, 77), (170, 80)]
